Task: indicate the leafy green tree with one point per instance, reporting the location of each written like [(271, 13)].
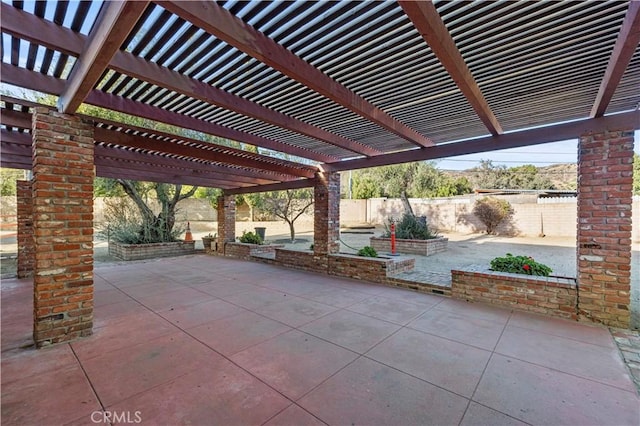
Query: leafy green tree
[(418, 180), (489, 176), (8, 179)]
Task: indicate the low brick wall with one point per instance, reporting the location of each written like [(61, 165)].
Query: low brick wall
[(245, 251), (305, 260), (150, 251), (374, 269), (419, 247), (545, 295)]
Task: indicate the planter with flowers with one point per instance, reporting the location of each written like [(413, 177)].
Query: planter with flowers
[(517, 282)]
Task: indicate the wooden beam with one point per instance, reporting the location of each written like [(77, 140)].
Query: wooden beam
[(131, 65), (14, 143), (558, 132), (23, 120), (12, 118), (120, 173), (171, 147), (47, 84), (115, 22), (427, 20), (296, 184), (61, 39), (218, 21), (623, 51), (258, 159)]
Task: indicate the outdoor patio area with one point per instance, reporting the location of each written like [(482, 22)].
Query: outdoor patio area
[(210, 340)]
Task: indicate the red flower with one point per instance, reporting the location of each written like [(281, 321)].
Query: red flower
[(526, 267)]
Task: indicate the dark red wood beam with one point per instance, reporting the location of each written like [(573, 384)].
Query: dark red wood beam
[(427, 20), (221, 23), (19, 144), (628, 120), (257, 162), (120, 173), (115, 22), (51, 85), (623, 51), (39, 31), (296, 184), (254, 163), (124, 139)]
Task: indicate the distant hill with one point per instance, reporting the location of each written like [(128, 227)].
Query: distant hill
[(563, 176)]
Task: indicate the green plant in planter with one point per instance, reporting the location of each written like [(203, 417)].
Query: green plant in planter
[(367, 251), (250, 238), (410, 227), (520, 265)]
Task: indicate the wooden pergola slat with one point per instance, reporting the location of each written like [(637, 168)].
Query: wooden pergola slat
[(428, 22), (219, 22), (59, 39), (625, 48), (115, 22)]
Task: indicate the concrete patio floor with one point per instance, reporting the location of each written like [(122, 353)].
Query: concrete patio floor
[(213, 341)]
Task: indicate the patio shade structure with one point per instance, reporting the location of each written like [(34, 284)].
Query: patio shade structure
[(336, 86), (314, 87)]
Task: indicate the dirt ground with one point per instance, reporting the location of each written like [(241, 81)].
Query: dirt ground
[(559, 253)]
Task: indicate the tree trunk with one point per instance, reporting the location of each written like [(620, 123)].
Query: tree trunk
[(292, 231), (405, 203)]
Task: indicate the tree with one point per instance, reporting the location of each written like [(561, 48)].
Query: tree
[(8, 179), (415, 180), (156, 228), (288, 205), (490, 176), (492, 212)]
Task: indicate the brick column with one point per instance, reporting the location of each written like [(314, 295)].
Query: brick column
[(26, 248), (63, 174), (605, 170), (226, 221), (326, 217)]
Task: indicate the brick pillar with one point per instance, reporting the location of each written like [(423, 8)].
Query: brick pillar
[(605, 174), (63, 174), (326, 217), (226, 221), (26, 249)]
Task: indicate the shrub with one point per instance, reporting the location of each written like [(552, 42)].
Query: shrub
[(492, 212), (124, 224), (367, 251), (410, 228), (250, 238), (520, 265)]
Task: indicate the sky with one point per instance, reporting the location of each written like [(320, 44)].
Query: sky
[(538, 155)]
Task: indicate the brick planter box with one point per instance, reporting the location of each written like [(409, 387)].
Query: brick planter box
[(305, 260), (150, 251), (245, 251), (552, 296), (419, 247), (374, 269)]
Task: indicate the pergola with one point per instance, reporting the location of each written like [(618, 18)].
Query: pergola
[(318, 88)]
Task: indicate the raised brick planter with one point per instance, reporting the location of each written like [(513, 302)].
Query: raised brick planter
[(375, 269), (419, 247), (245, 251), (305, 260), (151, 251), (545, 295)]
